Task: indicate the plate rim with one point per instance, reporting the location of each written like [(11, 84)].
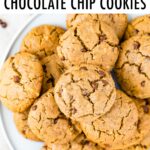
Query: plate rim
[(5, 55)]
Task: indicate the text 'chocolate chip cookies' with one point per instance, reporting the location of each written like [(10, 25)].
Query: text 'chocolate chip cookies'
[(85, 92), (20, 81), (89, 42)]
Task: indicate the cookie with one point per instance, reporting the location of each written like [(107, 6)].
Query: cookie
[(143, 129), (114, 129), (48, 123), (137, 147), (53, 68), (132, 68), (20, 120), (117, 21), (138, 26), (20, 81), (91, 42), (85, 92), (42, 40), (80, 143)]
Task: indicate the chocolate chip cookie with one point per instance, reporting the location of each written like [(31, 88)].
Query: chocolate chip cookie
[(117, 21), (48, 123), (91, 42), (20, 120), (80, 143), (20, 81), (85, 92), (114, 129), (132, 68), (42, 40), (138, 26), (53, 68), (143, 129)]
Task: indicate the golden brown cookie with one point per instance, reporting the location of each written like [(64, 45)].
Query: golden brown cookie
[(138, 26), (85, 92), (20, 120), (91, 42), (137, 147), (42, 40), (80, 143), (132, 68), (143, 128), (53, 68), (20, 81), (114, 129), (46, 121), (117, 21)]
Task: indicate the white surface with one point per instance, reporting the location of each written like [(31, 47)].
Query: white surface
[(14, 23)]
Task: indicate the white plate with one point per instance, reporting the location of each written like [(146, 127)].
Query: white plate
[(13, 138)]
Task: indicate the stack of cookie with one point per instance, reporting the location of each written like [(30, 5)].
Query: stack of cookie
[(61, 91)]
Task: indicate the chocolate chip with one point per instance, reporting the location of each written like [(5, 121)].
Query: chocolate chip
[(83, 68), (94, 85), (146, 109), (16, 79), (4, 25), (135, 31), (136, 45), (55, 120), (34, 107), (84, 142), (104, 82), (44, 68), (63, 58), (143, 83), (101, 73), (102, 37), (51, 80), (83, 50), (74, 110)]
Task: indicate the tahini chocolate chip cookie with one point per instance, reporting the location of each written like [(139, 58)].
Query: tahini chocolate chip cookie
[(117, 21), (20, 81), (20, 120), (85, 92), (53, 68), (46, 121), (114, 129), (91, 42), (132, 68), (42, 40), (143, 129), (80, 143), (138, 26)]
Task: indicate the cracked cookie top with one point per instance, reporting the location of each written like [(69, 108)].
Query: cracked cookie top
[(20, 81), (53, 68), (142, 135), (117, 21), (132, 68), (114, 129), (80, 143), (42, 40), (48, 123), (91, 42), (20, 120), (85, 92), (138, 26)]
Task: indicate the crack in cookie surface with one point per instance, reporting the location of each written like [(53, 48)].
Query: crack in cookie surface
[(85, 92)]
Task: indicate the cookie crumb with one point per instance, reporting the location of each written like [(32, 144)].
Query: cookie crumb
[(16, 79)]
